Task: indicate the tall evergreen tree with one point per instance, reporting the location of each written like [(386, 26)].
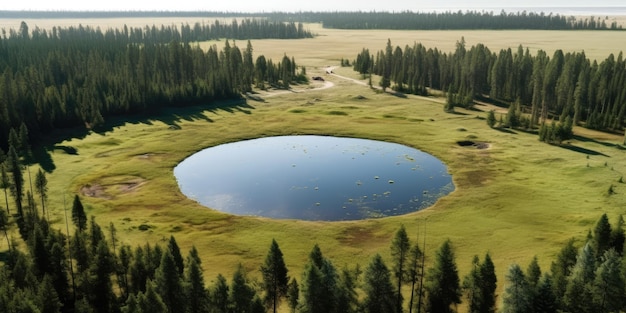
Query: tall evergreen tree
[(17, 186), (196, 295), (416, 273), (241, 295), (293, 293), (578, 297), (561, 269), (169, 284), (5, 184), (602, 236), (545, 300), (100, 287), (275, 279), (78, 214), (218, 295), (516, 294), (608, 285), (41, 186), (399, 252), (150, 300), (379, 292), (618, 237), (443, 286), (172, 246)]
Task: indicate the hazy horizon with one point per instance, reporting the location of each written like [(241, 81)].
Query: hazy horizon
[(318, 5)]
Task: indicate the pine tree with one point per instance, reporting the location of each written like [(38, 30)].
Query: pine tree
[(196, 296), (241, 295), (602, 236), (516, 294), (399, 252), (169, 284), (488, 286), (618, 237), (293, 293), (100, 287), (5, 184), (443, 286), (379, 292), (415, 273), (218, 295), (471, 286), (4, 226), (275, 279), (545, 301), (172, 246), (578, 297), (17, 187), (608, 285), (533, 273), (491, 118), (150, 301), (78, 214), (561, 269), (41, 185)]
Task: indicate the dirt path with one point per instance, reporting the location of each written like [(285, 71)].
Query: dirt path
[(389, 91)]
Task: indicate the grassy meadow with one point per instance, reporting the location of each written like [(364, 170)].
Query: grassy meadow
[(516, 199)]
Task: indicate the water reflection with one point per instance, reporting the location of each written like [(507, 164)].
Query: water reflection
[(313, 178)]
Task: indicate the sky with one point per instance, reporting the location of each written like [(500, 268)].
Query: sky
[(292, 5)]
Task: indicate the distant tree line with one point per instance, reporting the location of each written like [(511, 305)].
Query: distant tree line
[(567, 85), (368, 20), (460, 20), (78, 76)]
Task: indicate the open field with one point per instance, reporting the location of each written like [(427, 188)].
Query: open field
[(334, 44), (517, 199)]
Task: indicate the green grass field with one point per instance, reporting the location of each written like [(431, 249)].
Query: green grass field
[(516, 199)]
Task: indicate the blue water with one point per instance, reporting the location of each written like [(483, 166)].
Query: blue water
[(313, 178)]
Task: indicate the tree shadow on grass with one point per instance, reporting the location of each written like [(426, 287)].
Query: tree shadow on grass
[(171, 116), (582, 150), (505, 130), (604, 143)]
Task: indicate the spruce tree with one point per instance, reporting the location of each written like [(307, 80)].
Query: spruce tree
[(150, 301), (618, 237), (172, 246), (41, 186), (488, 286), (491, 118), (471, 286), (443, 286), (578, 297), (218, 295), (608, 285), (602, 236), (379, 292), (17, 186), (399, 253), (5, 184), (516, 294), (275, 279), (241, 295), (196, 296), (4, 226), (169, 284), (293, 293), (101, 294), (78, 214), (545, 301)]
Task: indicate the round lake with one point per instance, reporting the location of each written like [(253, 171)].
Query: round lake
[(313, 178)]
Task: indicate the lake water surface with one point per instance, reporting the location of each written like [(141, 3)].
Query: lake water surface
[(313, 178)]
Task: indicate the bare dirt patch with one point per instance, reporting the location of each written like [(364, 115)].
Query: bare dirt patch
[(110, 188)]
